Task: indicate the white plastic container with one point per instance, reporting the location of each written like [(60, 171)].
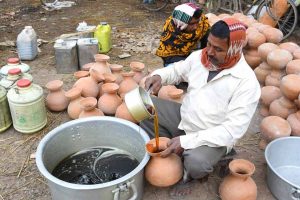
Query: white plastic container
[(27, 44), (14, 63), (12, 77), (27, 106), (87, 48), (66, 56)]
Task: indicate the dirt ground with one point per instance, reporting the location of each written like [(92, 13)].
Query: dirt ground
[(134, 31)]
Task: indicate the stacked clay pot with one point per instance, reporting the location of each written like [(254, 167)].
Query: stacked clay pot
[(162, 172), (116, 71), (101, 64), (239, 185), (137, 68), (123, 113), (89, 108), (109, 101), (74, 107), (56, 100), (127, 84), (81, 74)]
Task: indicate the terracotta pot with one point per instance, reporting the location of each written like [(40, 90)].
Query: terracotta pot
[(252, 57), (265, 49), (56, 99), (294, 121), (282, 107), (163, 92), (88, 66), (261, 73), (269, 94), (290, 86), (89, 85), (74, 108), (89, 108), (293, 67), (273, 79), (109, 101), (176, 95), (101, 64), (127, 84), (163, 172), (142, 82), (137, 68), (296, 54), (273, 127), (273, 35), (279, 58), (239, 185), (255, 39), (264, 110), (108, 78), (289, 46), (117, 70), (123, 113), (81, 74)]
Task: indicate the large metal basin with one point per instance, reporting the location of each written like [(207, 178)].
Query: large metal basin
[(283, 175), (83, 133)]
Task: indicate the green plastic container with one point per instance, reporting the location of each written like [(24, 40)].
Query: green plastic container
[(103, 35), (5, 118), (27, 106)]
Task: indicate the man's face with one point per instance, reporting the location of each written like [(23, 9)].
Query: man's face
[(192, 26), (217, 49)]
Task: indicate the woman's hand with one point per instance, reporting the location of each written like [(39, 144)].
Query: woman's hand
[(174, 146)]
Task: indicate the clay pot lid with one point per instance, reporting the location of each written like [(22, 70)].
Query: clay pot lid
[(88, 103), (54, 85), (73, 92), (14, 71), (175, 93), (109, 78), (13, 60), (242, 167), (151, 146), (116, 67), (127, 74), (81, 74), (88, 66), (22, 83), (137, 66), (110, 87), (101, 57)]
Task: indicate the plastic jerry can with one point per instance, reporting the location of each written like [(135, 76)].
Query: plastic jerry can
[(27, 106), (27, 44), (103, 35), (66, 56), (87, 48), (5, 118), (14, 63)]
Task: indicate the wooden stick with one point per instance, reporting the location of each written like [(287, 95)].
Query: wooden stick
[(25, 161)]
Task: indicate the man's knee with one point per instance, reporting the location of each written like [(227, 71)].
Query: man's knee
[(197, 167)]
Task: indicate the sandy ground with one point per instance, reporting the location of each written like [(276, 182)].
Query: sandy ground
[(134, 32)]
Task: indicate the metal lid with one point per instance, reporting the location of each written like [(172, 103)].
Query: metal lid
[(2, 92), (14, 71), (23, 83), (13, 60)]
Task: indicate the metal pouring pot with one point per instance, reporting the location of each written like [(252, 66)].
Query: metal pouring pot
[(80, 134), (136, 101)]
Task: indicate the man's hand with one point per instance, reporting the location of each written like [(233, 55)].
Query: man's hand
[(153, 83), (174, 146)]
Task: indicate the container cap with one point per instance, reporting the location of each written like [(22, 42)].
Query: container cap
[(103, 23), (14, 71), (59, 41), (23, 83), (13, 60), (28, 27)]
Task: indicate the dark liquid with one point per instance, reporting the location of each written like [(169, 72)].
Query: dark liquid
[(95, 165), (151, 109)]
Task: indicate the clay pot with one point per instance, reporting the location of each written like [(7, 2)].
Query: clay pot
[(117, 70), (264, 110), (162, 172), (123, 113), (265, 49), (127, 84), (293, 67), (89, 108), (296, 54), (81, 74), (137, 68), (262, 71), (88, 66), (142, 82), (273, 35), (74, 108), (279, 58), (239, 185), (255, 39), (176, 95), (273, 127), (108, 78), (56, 100), (290, 86), (282, 107), (289, 46), (101, 64), (273, 79), (252, 57), (163, 92), (269, 94), (294, 121), (109, 101), (89, 85)]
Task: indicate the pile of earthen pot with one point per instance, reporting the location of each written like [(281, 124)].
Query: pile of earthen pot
[(277, 68), (100, 89)]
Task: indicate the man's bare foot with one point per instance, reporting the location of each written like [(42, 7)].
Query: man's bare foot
[(180, 190)]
